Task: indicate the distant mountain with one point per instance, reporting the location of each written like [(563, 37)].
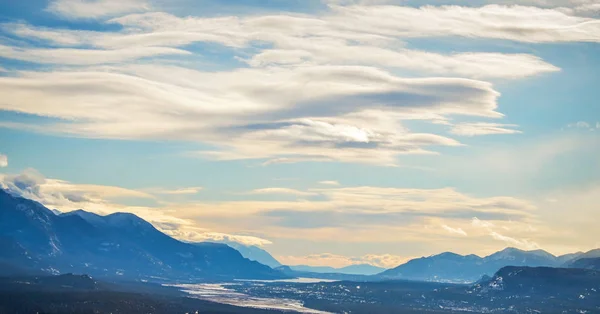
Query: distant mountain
[(562, 259), (590, 254), (358, 269), (546, 281), (325, 275), (254, 253), (120, 244), (586, 263), (451, 267)]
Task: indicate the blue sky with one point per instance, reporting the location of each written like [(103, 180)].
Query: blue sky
[(329, 132)]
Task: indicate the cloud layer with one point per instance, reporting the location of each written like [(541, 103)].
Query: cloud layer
[(336, 85)]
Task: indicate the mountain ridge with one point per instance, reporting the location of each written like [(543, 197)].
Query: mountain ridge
[(121, 244), (452, 267)]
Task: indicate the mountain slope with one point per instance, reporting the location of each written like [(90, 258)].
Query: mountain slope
[(119, 244), (254, 253), (546, 281), (451, 267), (587, 263)]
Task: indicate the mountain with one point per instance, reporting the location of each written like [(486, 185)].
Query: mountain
[(120, 244), (587, 263), (254, 253), (358, 269), (325, 275), (447, 266), (547, 281), (562, 259), (587, 260), (451, 267)]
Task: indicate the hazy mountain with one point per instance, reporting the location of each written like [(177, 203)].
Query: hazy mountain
[(590, 254), (325, 275), (562, 259), (587, 263), (451, 267), (442, 267), (254, 253), (119, 244), (358, 269)]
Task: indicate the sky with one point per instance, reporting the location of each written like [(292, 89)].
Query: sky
[(328, 132)]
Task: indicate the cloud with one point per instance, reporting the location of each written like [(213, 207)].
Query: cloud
[(512, 241), (93, 9), (584, 125), (181, 191), (579, 125), (335, 260), (281, 111), (458, 231), (343, 217), (195, 236), (3, 161), (68, 56), (52, 192), (480, 223), (490, 21), (483, 128), (363, 129), (329, 182), (520, 243), (281, 191)]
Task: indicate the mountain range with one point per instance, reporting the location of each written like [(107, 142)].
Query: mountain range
[(452, 267), (255, 253), (36, 239)]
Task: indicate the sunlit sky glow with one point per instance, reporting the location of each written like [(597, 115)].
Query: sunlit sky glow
[(329, 132)]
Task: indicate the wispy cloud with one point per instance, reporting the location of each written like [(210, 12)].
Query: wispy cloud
[(458, 231), (483, 128), (95, 8), (335, 260), (489, 227), (329, 182), (3, 161), (276, 190), (584, 125), (180, 191)]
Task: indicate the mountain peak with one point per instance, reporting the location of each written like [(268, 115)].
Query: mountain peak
[(124, 218)]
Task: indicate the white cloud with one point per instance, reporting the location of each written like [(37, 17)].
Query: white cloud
[(199, 236), (579, 125), (357, 116), (181, 191), (299, 40), (516, 242), (458, 231), (483, 128), (480, 223), (68, 56), (95, 8), (520, 243), (3, 161), (53, 192), (329, 182), (320, 87), (281, 191)]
